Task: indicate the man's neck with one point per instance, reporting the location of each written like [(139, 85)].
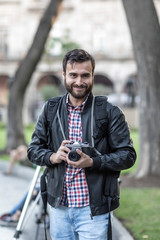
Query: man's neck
[(76, 101)]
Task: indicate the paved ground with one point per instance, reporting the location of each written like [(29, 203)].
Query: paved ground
[(12, 188)]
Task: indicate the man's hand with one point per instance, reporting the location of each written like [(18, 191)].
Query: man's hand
[(84, 162), (61, 154)]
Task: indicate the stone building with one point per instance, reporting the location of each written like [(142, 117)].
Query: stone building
[(98, 26)]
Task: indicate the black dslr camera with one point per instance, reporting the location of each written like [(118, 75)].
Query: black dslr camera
[(73, 155)]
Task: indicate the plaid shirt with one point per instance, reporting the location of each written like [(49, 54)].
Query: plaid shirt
[(75, 189)]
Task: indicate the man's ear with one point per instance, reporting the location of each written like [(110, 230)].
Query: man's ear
[(63, 74)]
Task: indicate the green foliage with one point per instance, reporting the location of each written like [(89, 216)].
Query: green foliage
[(67, 46), (101, 89), (63, 44), (49, 91), (139, 212)]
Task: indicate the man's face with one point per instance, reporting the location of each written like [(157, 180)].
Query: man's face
[(78, 79)]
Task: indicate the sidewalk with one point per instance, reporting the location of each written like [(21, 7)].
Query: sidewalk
[(12, 190)]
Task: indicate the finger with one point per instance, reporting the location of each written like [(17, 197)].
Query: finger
[(64, 149), (64, 142), (61, 157), (72, 163), (80, 152)]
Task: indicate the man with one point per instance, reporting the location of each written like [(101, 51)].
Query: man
[(81, 192)]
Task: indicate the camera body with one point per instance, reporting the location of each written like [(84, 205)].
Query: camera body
[(73, 155)]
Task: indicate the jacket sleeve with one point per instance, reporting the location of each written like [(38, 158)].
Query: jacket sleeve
[(38, 150), (121, 151)]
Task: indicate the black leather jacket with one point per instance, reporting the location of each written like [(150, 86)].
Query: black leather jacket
[(111, 137)]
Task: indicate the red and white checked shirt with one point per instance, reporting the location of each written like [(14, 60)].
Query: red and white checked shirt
[(75, 189)]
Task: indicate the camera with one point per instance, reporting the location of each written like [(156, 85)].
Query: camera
[(73, 155)]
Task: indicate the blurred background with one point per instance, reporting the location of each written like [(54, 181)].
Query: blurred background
[(101, 29), (124, 38)]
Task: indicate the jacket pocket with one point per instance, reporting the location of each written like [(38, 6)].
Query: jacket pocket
[(52, 188), (111, 187), (54, 182), (111, 192)]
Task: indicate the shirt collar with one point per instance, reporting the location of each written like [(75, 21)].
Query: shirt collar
[(80, 106)]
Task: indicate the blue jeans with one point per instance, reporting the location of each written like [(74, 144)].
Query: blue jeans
[(19, 206), (76, 223)]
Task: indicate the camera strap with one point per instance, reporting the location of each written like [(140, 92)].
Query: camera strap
[(92, 115), (92, 112), (60, 123)]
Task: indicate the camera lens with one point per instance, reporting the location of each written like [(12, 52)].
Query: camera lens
[(73, 156)]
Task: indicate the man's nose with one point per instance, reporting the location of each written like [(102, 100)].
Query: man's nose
[(79, 80)]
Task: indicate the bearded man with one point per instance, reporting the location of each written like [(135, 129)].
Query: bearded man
[(82, 187)]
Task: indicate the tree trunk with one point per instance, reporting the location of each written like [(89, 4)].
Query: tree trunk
[(15, 134), (145, 32)]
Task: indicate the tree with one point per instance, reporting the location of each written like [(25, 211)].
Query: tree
[(15, 135), (145, 31)]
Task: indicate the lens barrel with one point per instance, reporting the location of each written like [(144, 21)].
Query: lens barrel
[(73, 156)]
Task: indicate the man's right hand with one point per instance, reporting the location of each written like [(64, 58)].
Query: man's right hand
[(61, 154)]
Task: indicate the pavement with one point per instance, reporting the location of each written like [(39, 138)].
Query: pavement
[(12, 189)]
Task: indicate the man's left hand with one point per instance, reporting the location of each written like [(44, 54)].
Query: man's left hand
[(84, 161)]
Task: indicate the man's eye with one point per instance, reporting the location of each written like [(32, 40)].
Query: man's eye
[(86, 75), (73, 75)]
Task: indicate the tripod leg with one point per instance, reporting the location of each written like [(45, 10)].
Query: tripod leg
[(42, 223), (33, 206), (40, 212), (29, 196), (40, 218)]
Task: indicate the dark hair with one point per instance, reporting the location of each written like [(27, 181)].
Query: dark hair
[(77, 55)]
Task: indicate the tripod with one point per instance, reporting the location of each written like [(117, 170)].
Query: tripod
[(27, 202)]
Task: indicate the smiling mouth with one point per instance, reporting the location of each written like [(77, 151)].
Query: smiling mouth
[(79, 87)]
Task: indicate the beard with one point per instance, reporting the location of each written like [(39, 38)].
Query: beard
[(80, 95)]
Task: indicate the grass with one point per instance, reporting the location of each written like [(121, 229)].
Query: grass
[(139, 212), (3, 134), (135, 138), (2, 137), (28, 133), (139, 208)]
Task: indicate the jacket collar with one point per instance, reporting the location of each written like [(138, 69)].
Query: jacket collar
[(87, 103)]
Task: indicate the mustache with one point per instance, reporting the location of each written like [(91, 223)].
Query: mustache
[(79, 86)]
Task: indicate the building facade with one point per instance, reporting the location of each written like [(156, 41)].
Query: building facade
[(98, 26)]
